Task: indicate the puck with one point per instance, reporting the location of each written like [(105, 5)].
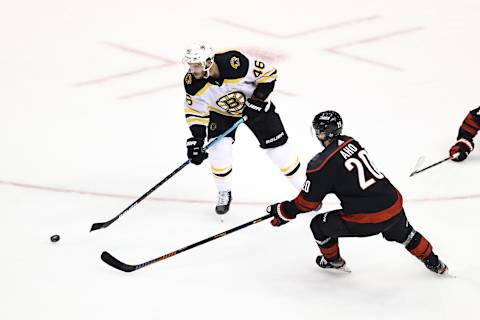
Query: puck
[(55, 238)]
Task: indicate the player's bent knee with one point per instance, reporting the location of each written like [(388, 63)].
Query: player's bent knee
[(398, 233)]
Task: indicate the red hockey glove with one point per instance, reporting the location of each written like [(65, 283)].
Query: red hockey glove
[(279, 217), (463, 147)]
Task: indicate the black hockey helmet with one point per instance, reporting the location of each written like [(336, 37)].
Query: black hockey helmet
[(329, 123)]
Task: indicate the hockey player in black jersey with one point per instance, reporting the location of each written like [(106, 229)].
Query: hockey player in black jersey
[(220, 88), (466, 133), (370, 203)]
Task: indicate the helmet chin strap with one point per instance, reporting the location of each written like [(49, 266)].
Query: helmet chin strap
[(207, 70), (207, 74)]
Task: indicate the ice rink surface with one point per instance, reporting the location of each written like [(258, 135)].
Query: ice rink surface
[(92, 116)]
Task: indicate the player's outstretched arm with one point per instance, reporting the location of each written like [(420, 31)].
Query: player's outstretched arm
[(466, 133)]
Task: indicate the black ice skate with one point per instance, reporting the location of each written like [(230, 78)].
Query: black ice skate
[(223, 203), (336, 265), (439, 268)]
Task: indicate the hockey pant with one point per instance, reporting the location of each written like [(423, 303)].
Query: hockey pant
[(330, 226), (272, 137)]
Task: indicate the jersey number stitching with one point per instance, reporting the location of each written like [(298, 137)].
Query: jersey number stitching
[(351, 163), (259, 65)]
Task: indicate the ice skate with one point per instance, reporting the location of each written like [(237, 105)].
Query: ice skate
[(339, 265), (440, 268), (223, 203)]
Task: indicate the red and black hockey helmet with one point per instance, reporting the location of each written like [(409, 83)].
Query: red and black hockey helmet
[(329, 124)]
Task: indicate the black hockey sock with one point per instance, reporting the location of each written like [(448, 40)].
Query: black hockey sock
[(330, 250), (419, 246)]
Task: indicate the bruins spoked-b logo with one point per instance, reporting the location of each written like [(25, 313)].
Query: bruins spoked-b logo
[(235, 62), (188, 78), (232, 102)]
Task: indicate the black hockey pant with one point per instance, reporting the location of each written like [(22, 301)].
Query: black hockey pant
[(330, 226)]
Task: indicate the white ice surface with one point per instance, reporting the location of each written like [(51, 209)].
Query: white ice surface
[(91, 101)]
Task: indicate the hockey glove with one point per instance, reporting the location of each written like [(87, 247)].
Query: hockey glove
[(463, 147), (194, 150), (279, 217), (254, 109)]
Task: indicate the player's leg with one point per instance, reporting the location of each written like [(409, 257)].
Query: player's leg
[(220, 157), (271, 135), (403, 232), (330, 226), (326, 229)]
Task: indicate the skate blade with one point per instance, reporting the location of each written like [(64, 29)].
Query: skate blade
[(446, 274), (341, 270)]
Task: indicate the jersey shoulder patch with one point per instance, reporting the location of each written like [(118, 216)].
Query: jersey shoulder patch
[(323, 158), (232, 64), (192, 85)]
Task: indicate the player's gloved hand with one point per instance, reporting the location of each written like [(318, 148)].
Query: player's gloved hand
[(279, 217), (254, 109), (194, 150), (463, 147)]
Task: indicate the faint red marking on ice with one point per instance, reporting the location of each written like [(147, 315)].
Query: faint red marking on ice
[(139, 52), (149, 91), (301, 33), (176, 200), (119, 75), (268, 55), (338, 49), (167, 63)]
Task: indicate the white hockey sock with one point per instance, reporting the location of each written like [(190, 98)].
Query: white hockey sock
[(289, 164), (220, 156)]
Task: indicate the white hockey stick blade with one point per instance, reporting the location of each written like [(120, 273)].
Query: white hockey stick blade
[(419, 163)]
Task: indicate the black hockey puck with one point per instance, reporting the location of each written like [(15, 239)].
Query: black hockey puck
[(55, 238)]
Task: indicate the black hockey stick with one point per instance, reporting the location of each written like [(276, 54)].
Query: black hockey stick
[(415, 171), (117, 264), (100, 225)]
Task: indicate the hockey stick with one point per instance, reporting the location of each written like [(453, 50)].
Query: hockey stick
[(100, 225), (117, 264), (420, 161)]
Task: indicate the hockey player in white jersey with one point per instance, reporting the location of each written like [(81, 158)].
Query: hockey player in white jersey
[(221, 88)]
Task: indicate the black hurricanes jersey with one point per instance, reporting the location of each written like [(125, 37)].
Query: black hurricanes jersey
[(344, 168)]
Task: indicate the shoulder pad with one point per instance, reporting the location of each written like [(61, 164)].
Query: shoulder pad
[(322, 158), (232, 64), (317, 160), (192, 85)]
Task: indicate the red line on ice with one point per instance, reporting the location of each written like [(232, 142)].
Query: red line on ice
[(301, 33), (336, 49), (177, 200), (139, 52), (120, 75)]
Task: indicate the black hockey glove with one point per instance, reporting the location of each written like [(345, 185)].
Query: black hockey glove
[(463, 147), (279, 217), (254, 109), (194, 150)]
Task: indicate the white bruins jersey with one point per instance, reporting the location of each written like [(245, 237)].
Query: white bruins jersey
[(239, 76)]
